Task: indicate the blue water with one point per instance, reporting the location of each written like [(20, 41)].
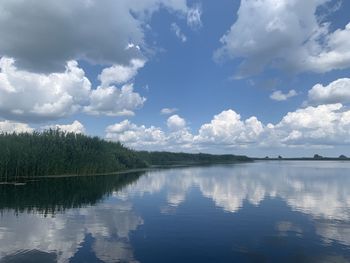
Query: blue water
[(272, 211)]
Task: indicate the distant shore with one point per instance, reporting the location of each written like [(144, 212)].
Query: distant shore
[(302, 159), (24, 180), (53, 153)]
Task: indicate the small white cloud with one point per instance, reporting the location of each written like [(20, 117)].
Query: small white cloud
[(120, 74), (150, 138), (280, 96), (194, 17), (166, 111), (175, 123), (132, 45), (135, 136), (112, 101), (75, 127), (177, 30)]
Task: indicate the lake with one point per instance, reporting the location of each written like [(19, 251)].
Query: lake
[(268, 211)]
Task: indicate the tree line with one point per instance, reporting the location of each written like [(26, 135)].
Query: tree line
[(54, 152), (171, 158), (51, 196)]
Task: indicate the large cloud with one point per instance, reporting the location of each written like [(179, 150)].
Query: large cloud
[(285, 34), (336, 92), (38, 84), (43, 35), (227, 128), (34, 97), (10, 127), (322, 125)]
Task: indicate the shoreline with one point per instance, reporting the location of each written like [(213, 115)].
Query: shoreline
[(24, 180), (302, 159)]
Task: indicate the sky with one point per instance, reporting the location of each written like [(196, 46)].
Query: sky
[(253, 77)]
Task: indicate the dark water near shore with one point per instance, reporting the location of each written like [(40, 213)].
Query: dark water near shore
[(252, 212)]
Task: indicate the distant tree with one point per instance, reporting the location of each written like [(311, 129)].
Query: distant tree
[(170, 158), (343, 157), (316, 156), (280, 157), (267, 157)]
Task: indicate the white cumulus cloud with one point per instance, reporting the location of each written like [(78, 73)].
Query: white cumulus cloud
[(322, 125), (175, 123), (32, 97), (40, 79), (75, 127), (113, 101), (10, 127), (151, 138), (319, 126), (228, 129), (285, 34), (38, 97), (119, 74), (337, 91), (134, 136)]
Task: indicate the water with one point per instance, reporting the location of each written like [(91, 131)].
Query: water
[(255, 212)]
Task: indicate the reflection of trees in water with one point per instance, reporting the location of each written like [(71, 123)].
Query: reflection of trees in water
[(33, 256), (49, 196)]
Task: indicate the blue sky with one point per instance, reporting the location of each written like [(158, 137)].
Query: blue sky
[(263, 77)]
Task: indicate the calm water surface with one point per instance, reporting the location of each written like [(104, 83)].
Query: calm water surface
[(254, 212)]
